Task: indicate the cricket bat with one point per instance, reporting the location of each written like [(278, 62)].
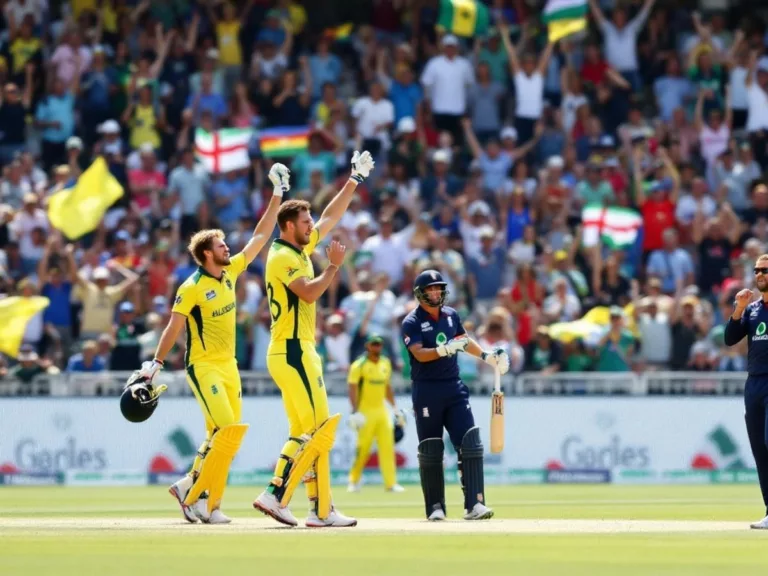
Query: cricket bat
[(497, 415)]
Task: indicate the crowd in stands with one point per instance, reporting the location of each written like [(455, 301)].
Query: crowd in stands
[(487, 149)]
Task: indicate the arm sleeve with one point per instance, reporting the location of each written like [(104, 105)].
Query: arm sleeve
[(411, 332), (236, 266), (353, 379), (460, 331), (736, 330), (185, 299)]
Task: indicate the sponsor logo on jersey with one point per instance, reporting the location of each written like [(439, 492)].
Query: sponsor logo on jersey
[(760, 333), (229, 284), (178, 299), (292, 271), (407, 340), (425, 327), (450, 321), (210, 295), (222, 311)]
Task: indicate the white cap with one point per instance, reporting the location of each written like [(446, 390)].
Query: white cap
[(479, 207), (74, 142), (508, 132), (441, 156), (212, 53), (110, 127), (555, 162), (450, 40), (363, 219), (100, 273), (406, 125), (146, 148)]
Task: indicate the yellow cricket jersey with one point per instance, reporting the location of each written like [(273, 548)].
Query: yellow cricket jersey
[(22, 50), (209, 306), (292, 318), (229, 43), (371, 379)]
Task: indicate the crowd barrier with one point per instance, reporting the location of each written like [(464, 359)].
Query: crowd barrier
[(526, 384)]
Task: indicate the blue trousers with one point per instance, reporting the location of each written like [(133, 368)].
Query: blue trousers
[(442, 404), (756, 415)]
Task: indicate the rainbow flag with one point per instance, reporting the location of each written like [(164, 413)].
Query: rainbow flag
[(284, 141)]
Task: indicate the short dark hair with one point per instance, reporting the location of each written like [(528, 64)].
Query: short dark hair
[(290, 210)]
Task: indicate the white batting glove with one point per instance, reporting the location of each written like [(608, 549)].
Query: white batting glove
[(280, 177), (498, 359), (362, 164), (356, 421), (149, 369), (453, 346), (400, 417)]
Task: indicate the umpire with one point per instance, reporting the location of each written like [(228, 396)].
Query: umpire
[(750, 320), (433, 334)]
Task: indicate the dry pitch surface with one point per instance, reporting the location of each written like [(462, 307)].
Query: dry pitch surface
[(41, 526)]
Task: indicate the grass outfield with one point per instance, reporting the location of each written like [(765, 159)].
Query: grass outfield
[(616, 530)]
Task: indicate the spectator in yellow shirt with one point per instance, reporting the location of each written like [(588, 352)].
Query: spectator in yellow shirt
[(228, 38), (23, 45), (99, 299)]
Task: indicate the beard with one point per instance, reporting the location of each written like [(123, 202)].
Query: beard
[(224, 261), (300, 238), (762, 284)]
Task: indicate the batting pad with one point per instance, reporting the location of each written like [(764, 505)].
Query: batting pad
[(321, 442), (471, 468), (432, 475), (214, 469), (323, 468)]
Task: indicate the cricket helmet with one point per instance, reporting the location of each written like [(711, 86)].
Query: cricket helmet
[(139, 398), (425, 280)]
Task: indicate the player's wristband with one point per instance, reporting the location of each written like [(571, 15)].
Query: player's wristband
[(483, 356), (158, 361), (356, 177), (277, 191)]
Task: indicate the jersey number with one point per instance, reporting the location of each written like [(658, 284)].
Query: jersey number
[(274, 306)]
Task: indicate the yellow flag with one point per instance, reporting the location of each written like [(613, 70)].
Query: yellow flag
[(15, 312), (79, 210), (562, 28)]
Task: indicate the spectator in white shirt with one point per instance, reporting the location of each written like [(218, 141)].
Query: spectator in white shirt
[(445, 80), (757, 106), (621, 39), (17, 10), (27, 226), (389, 253), (697, 201), (561, 306), (337, 344), (528, 75), (375, 115), (715, 133)]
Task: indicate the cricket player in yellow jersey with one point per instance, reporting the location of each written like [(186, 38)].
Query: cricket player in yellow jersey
[(370, 388), (292, 360), (205, 305)]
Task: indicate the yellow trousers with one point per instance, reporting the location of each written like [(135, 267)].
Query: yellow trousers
[(379, 427)]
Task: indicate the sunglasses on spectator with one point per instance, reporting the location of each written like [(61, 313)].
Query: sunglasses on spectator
[(762, 270)]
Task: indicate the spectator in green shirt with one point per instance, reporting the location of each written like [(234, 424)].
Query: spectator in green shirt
[(617, 348), (593, 189), (494, 54)]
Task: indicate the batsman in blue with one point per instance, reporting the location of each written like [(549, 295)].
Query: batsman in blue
[(434, 335)]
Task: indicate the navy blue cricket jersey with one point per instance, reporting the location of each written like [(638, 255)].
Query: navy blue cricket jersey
[(420, 327), (753, 325)]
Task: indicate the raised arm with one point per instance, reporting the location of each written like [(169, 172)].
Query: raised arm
[(130, 277), (469, 134), (673, 173), (698, 114), (544, 58), (753, 55), (164, 45), (362, 164), (192, 33), (279, 176), (597, 13), (514, 61)]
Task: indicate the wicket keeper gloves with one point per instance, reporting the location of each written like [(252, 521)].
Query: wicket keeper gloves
[(453, 346), (149, 369), (356, 421), (362, 164), (280, 176), (498, 359)]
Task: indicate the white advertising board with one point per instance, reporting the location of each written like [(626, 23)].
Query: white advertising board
[(622, 435)]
